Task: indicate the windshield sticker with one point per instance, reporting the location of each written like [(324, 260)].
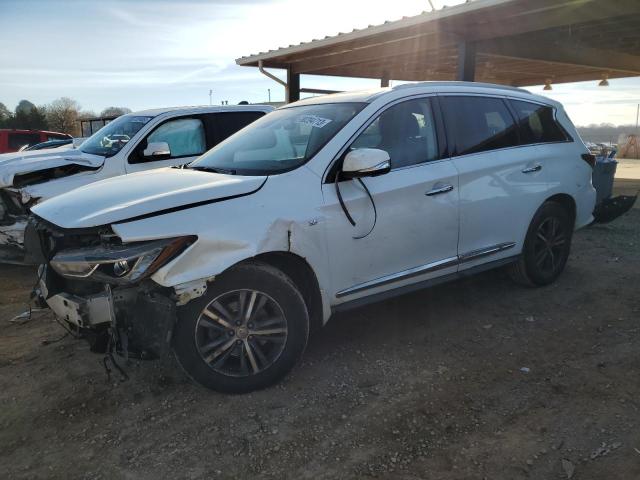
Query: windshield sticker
[(313, 120)]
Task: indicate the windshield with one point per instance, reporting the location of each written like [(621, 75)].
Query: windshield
[(110, 139), (280, 141)]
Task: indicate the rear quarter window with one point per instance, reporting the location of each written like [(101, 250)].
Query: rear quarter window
[(537, 123)]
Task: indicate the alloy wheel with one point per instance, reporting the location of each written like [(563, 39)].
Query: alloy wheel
[(241, 333), (550, 245)]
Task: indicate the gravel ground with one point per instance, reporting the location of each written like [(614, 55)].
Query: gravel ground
[(474, 379)]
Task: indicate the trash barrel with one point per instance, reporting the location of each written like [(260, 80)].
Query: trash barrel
[(603, 174)]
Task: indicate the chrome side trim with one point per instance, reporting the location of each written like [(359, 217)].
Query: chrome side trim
[(467, 257), (427, 268), (394, 277)]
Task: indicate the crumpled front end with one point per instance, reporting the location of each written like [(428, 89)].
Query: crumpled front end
[(100, 288), (13, 220)]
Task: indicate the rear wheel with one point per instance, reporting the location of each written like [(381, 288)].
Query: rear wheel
[(245, 333), (546, 247)]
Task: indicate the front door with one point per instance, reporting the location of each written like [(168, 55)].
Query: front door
[(412, 232), (186, 139)]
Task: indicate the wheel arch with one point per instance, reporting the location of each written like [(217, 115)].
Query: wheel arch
[(568, 202), (303, 276)]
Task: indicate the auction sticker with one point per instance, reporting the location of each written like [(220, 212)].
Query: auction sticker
[(313, 120)]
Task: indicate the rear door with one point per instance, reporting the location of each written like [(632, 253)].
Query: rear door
[(224, 124), (409, 232), (501, 183)]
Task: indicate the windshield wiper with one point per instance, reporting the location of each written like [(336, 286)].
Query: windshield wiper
[(213, 169)]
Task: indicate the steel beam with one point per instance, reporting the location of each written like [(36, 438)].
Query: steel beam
[(293, 86)]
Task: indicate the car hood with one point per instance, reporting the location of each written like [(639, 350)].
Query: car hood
[(12, 164), (139, 194)]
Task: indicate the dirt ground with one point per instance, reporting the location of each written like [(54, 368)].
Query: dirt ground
[(478, 379)]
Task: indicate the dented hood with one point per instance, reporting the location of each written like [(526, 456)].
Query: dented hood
[(12, 164), (146, 193)]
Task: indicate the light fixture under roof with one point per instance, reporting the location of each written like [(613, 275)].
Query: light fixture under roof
[(547, 84), (605, 80)]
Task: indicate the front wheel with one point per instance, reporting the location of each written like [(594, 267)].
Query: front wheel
[(546, 246), (246, 333)]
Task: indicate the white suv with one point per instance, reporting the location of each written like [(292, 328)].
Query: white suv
[(323, 205)]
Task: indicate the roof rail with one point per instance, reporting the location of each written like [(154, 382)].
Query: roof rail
[(461, 84)]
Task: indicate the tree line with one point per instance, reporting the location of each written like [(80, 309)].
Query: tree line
[(61, 115), (605, 132)]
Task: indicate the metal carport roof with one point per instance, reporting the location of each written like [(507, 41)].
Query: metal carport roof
[(513, 42)]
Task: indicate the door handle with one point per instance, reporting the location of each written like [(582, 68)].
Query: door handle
[(439, 190), (535, 168)]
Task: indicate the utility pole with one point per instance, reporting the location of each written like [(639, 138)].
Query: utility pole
[(269, 92), (210, 92)]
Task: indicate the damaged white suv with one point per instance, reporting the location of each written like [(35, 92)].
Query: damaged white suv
[(323, 205), (131, 143)]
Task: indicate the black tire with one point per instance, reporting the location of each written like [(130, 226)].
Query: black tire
[(542, 262), (262, 354)]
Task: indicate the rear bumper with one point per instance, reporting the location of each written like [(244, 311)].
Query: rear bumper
[(585, 203)]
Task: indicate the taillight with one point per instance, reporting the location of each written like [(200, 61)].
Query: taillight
[(590, 159)]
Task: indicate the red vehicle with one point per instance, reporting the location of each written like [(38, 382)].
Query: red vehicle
[(12, 140)]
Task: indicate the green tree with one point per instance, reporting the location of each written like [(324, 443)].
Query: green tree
[(28, 117), (25, 107), (5, 115), (38, 118)]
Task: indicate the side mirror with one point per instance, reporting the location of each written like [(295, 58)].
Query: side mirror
[(157, 150), (366, 162)]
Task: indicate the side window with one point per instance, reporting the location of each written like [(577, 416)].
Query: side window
[(19, 140), (226, 124), (479, 124), (536, 123), (185, 137), (405, 131)]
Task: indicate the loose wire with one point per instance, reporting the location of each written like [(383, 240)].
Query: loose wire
[(346, 210)]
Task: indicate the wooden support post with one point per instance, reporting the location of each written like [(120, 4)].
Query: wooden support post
[(293, 86), (466, 61), (384, 81)]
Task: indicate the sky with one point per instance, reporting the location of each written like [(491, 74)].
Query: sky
[(155, 53)]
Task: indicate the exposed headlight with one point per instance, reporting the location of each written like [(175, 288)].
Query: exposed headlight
[(121, 263)]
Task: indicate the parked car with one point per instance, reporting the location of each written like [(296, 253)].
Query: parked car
[(48, 145), (131, 143), (12, 140), (326, 204)]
